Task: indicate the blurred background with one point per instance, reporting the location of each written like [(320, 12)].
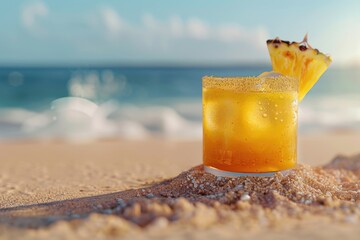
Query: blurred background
[(91, 69)]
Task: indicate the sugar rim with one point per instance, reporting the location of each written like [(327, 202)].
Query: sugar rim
[(249, 83)]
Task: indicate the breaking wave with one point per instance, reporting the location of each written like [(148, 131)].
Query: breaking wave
[(78, 119)]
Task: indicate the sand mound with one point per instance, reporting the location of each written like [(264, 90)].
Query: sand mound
[(332, 190), (198, 199)]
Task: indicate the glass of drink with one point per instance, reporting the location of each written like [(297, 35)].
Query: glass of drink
[(249, 125)]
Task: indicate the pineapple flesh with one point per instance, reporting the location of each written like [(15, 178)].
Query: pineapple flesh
[(298, 60)]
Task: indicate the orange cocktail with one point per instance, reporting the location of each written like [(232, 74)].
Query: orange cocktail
[(249, 125)]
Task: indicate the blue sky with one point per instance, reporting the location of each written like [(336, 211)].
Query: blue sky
[(172, 31)]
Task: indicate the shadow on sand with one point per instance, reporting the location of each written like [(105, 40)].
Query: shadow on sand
[(304, 188)]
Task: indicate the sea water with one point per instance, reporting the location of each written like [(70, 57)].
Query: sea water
[(141, 102)]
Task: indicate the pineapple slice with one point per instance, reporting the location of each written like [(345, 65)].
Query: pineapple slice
[(298, 60)]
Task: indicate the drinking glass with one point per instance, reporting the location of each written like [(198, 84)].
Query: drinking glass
[(249, 125)]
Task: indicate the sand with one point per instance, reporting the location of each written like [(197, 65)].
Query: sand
[(142, 189)]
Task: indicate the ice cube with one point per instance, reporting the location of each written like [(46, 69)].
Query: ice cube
[(218, 114), (271, 74), (255, 118)]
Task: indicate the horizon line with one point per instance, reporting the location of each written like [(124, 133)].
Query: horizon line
[(153, 65), (132, 65)]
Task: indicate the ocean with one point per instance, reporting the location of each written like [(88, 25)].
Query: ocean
[(138, 102)]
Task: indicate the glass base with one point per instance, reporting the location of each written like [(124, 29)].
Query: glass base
[(222, 173)]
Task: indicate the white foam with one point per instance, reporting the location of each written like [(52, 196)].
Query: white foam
[(330, 112), (160, 120), (78, 119)]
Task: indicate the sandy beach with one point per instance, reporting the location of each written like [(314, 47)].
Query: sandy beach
[(133, 189), (127, 119)]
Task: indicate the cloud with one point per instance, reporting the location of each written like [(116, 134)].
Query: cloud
[(342, 44), (31, 14), (106, 35), (112, 21), (150, 22), (176, 38), (231, 32), (176, 26), (197, 28)]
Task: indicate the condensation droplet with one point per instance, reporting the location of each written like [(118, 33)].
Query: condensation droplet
[(276, 105), (264, 115), (281, 120)]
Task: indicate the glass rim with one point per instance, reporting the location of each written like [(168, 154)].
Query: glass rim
[(251, 83)]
